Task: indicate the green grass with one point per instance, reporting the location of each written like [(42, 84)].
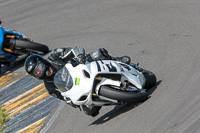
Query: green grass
[(3, 119)]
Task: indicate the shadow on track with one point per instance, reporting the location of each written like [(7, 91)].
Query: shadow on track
[(13, 66), (19, 63), (154, 88), (119, 109)]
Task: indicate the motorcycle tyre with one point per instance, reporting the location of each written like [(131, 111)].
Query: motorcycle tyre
[(32, 47), (121, 95), (150, 79)]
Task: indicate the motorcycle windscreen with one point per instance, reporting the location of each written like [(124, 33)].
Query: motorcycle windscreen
[(63, 80)]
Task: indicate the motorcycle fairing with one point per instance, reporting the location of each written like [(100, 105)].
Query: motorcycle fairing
[(1, 36), (5, 56), (82, 93)]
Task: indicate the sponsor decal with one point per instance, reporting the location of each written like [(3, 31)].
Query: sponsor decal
[(77, 80)]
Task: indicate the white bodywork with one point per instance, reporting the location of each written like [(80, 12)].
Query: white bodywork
[(84, 86)]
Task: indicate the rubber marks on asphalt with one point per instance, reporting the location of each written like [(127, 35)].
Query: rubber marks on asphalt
[(26, 102)]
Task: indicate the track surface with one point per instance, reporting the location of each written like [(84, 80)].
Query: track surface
[(163, 36)]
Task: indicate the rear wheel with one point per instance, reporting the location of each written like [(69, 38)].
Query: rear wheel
[(29, 46), (121, 95), (150, 79)]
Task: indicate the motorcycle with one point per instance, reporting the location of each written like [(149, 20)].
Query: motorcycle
[(104, 82), (14, 44)]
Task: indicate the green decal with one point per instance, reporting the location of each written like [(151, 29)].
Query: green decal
[(77, 81)]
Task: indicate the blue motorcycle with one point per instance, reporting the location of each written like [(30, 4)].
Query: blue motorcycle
[(14, 44)]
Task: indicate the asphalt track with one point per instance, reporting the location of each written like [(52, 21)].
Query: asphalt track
[(163, 36)]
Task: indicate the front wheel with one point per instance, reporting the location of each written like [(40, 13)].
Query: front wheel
[(121, 95), (29, 46)]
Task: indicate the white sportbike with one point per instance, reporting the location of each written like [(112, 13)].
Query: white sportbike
[(105, 82)]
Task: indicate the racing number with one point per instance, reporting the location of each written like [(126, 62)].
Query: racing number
[(110, 67)]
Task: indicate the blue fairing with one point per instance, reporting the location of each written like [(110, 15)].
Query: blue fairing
[(4, 56), (14, 33), (1, 38)]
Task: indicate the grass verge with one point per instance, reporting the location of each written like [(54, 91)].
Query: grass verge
[(3, 119)]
